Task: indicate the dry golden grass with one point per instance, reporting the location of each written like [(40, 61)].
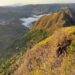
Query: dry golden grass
[(53, 21), (42, 58)]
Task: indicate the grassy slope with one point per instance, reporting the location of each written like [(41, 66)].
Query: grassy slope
[(39, 32), (8, 34), (42, 58), (23, 43), (62, 18)]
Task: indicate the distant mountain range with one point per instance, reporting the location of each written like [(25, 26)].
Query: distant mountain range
[(29, 10)]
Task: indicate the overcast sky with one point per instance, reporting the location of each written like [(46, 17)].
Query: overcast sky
[(24, 2)]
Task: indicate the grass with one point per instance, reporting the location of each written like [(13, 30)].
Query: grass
[(38, 72), (30, 38), (43, 54), (45, 51), (27, 41)]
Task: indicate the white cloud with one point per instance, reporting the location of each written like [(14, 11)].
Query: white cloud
[(10, 2)]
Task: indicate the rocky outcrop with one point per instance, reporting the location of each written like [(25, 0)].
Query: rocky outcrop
[(62, 49)]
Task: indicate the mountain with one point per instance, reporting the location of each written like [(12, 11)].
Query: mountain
[(29, 10), (63, 18), (46, 49), (25, 41), (54, 55), (8, 34)]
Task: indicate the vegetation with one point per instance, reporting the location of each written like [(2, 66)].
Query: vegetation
[(56, 20), (9, 33), (47, 49), (30, 39), (23, 43), (43, 56)]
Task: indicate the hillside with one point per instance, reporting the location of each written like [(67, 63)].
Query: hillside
[(45, 27), (47, 49), (54, 55), (8, 34), (20, 46), (63, 18)]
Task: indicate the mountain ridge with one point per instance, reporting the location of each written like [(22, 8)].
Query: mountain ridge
[(44, 54), (47, 49), (56, 20)]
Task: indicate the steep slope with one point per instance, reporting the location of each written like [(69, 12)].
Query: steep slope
[(62, 18), (19, 47), (49, 56), (8, 34), (53, 56)]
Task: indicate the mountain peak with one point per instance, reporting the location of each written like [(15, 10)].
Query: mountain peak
[(61, 18), (67, 11)]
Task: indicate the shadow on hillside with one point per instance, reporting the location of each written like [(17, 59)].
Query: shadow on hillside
[(62, 49)]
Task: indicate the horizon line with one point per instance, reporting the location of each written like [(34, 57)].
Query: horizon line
[(19, 4)]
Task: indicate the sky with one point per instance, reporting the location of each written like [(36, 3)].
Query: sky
[(25, 2)]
